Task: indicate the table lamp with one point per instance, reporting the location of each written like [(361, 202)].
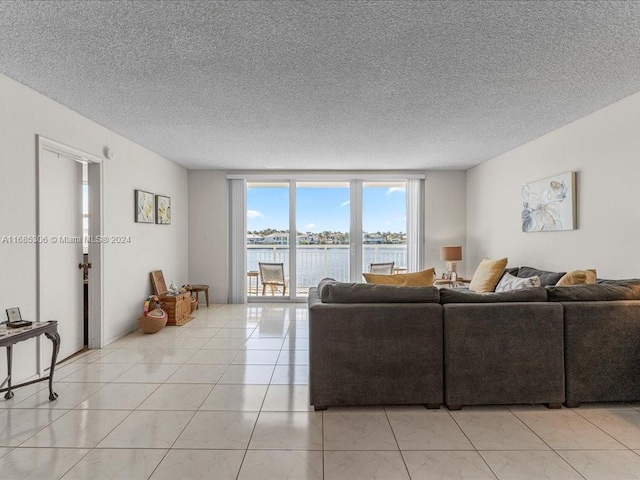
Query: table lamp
[(451, 254)]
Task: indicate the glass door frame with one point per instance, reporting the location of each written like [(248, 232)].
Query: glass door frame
[(356, 181)]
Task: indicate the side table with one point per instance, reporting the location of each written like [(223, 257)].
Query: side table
[(251, 274), (10, 336), (200, 288), (443, 282)]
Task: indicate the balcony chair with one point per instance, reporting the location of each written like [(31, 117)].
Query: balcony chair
[(381, 268), (272, 274)]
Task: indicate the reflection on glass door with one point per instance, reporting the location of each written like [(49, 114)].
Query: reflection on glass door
[(384, 225), (322, 241), (268, 239)]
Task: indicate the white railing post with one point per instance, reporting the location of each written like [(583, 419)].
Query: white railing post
[(324, 261)]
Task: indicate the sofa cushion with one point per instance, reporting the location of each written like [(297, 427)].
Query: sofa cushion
[(423, 278), (487, 275), (577, 277), (338, 292), (463, 295), (546, 278), (509, 282), (611, 290)]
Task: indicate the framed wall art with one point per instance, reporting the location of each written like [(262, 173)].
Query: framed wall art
[(550, 204), (163, 210), (144, 207)]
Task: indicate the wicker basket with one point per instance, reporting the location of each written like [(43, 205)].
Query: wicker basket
[(194, 304), (152, 321)]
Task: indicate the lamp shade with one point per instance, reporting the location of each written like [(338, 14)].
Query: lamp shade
[(451, 253)]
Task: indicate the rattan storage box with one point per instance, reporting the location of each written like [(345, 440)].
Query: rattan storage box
[(178, 306)]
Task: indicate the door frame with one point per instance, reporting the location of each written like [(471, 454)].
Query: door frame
[(96, 251)]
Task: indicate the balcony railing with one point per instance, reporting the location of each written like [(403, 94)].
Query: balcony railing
[(315, 262)]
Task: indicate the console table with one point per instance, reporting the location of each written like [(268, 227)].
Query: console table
[(10, 336)]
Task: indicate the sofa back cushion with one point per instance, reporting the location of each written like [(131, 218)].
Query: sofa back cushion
[(487, 275), (462, 295), (577, 277), (605, 290), (546, 277), (338, 292), (423, 278)]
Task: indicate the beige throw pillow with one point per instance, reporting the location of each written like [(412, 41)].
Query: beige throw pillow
[(487, 275), (423, 278), (577, 277)]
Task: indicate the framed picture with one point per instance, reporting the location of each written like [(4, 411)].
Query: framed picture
[(13, 314), (163, 210), (144, 207), (550, 204)]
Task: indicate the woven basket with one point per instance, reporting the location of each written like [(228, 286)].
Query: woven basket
[(194, 304), (152, 321)]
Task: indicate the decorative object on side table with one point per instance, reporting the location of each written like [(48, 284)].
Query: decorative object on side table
[(152, 321), (144, 207), (14, 318), (451, 254), (163, 210)]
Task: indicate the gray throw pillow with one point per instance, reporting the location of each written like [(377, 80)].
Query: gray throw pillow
[(546, 278), (461, 295)]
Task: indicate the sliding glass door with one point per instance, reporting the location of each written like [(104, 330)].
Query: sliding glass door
[(308, 229), (384, 225), (268, 239), (322, 242)]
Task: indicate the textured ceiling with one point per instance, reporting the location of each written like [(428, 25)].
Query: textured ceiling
[(326, 85)]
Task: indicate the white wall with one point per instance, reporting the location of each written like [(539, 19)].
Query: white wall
[(25, 113), (445, 218), (604, 149), (208, 235)]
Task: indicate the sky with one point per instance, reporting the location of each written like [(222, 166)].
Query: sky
[(327, 208)]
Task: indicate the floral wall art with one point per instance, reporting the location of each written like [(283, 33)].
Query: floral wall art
[(549, 204), (163, 210), (144, 206)]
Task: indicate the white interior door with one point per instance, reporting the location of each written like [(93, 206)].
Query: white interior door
[(60, 249)]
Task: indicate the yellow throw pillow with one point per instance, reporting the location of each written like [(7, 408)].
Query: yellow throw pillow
[(423, 278), (487, 275), (577, 277)]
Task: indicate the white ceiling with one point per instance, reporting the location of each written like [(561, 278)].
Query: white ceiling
[(326, 85)]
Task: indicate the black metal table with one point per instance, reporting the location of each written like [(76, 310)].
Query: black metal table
[(10, 336)]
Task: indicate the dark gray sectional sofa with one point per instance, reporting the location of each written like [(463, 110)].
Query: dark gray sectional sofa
[(378, 344)]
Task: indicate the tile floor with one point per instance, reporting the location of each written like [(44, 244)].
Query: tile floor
[(226, 397)]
